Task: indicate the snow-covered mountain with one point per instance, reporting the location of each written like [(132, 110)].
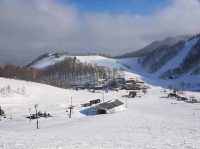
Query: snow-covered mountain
[(46, 60), (170, 41), (49, 59), (175, 65), (174, 61)]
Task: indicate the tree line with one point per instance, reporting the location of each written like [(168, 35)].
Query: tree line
[(63, 74)]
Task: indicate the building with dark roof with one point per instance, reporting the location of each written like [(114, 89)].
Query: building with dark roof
[(109, 107)]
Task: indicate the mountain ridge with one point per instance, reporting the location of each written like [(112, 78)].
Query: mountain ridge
[(169, 41)]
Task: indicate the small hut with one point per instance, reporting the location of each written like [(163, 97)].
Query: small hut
[(109, 107)]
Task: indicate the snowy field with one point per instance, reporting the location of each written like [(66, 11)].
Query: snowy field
[(149, 121)]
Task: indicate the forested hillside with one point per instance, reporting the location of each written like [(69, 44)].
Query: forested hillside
[(63, 74)]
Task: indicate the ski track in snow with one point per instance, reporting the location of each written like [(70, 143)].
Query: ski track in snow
[(176, 61), (48, 61)]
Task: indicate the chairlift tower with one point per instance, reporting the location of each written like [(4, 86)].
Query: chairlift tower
[(29, 110), (36, 112), (70, 109)]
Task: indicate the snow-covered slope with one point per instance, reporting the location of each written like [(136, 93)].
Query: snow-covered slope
[(169, 65), (179, 58), (130, 67), (51, 59), (148, 122), (175, 66), (102, 61), (170, 41), (175, 60), (47, 59)]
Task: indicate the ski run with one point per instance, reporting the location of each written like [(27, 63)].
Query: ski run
[(148, 121)]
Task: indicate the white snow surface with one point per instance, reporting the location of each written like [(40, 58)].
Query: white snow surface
[(149, 121), (48, 61), (96, 60), (101, 61)]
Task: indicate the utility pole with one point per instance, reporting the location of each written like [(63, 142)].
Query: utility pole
[(70, 109), (36, 114), (29, 110), (1, 113)]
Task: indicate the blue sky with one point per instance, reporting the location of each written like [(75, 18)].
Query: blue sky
[(142, 7)]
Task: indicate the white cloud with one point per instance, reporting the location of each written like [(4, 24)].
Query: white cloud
[(34, 26)]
